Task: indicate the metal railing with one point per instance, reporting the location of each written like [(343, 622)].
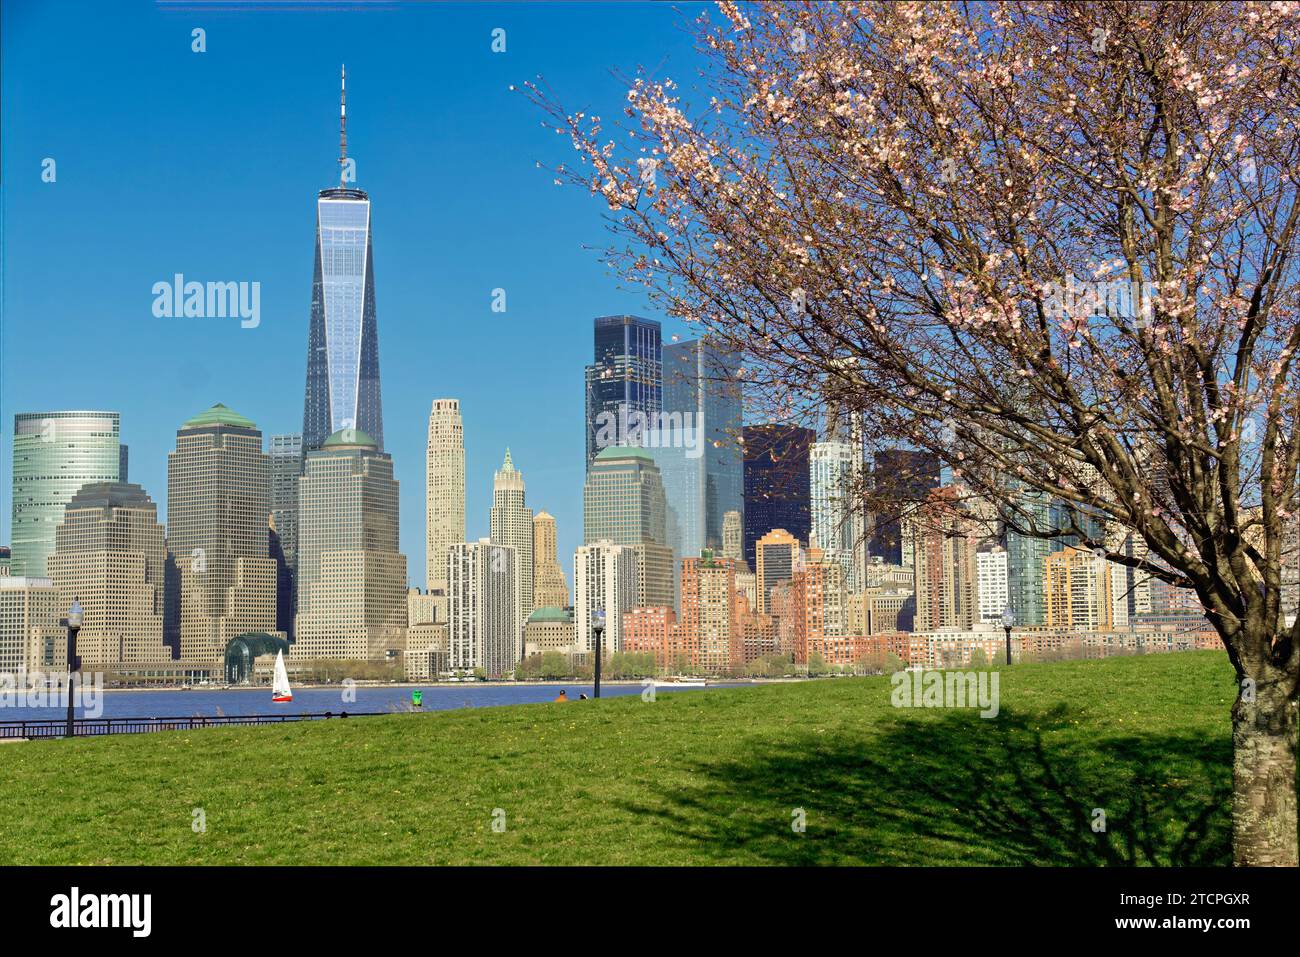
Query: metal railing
[(89, 727)]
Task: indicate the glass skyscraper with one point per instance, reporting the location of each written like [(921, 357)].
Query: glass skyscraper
[(343, 340), (1027, 557), (285, 454), (55, 454), (901, 479), (697, 444), (776, 482), (624, 382)]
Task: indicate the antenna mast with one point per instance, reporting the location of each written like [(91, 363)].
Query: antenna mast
[(343, 125)]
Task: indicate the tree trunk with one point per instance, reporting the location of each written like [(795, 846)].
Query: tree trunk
[(1264, 780)]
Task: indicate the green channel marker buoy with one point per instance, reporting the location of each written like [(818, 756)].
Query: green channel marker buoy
[(417, 698)]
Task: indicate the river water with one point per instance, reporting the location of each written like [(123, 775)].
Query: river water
[(386, 698)]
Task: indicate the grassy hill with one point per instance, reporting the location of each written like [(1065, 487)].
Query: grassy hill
[(693, 778)]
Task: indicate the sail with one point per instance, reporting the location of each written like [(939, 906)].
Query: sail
[(280, 690)]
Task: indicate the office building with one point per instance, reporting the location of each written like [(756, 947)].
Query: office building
[(55, 453), (343, 337), (623, 502), (352, 593), (624, 382), (697, 444), (550, 589), (110, 554), (777, 478), (285, 453), (218, 500), (29, 611), (511, 524)]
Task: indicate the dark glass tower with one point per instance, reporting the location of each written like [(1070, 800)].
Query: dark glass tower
[(776, 482), (901, 479), (343, 339), (625, 378)]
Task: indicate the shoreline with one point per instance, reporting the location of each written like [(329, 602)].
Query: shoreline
[(446, 684)]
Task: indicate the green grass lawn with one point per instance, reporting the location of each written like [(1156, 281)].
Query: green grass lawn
[(710, 777)]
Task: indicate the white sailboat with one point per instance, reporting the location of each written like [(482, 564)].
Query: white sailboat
[(280, 690)]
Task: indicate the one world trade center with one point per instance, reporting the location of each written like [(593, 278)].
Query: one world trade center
[(343, 340)]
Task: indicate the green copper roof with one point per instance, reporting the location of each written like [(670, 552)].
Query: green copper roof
[(624, 452), (550, 613), (219, 415), (345, 437)]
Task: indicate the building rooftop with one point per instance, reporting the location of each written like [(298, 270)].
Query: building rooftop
[(219, 415), (551, 613), (110, 495), (345, 438), (624, 452)]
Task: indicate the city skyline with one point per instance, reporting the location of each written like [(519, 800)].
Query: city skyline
[(450, 227)]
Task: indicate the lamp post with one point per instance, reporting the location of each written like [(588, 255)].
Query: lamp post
[(598, 626), (73, 621), (1008, 622)]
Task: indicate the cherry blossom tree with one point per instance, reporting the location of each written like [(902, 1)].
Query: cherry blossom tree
[(1051, 242)]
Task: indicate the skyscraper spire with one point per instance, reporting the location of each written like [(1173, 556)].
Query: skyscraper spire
[(343, 125)]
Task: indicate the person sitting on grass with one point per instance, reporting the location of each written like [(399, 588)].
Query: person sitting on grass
[(563, 696)]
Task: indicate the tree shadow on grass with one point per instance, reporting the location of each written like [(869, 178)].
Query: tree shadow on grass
[(944, 788)]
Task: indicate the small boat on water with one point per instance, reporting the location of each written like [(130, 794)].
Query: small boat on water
[(280, 690)]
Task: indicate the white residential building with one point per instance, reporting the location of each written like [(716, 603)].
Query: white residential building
[(482, 608), (604, 579), (444, 490)]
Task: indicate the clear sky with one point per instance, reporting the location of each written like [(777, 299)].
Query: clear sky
[(207, 164)]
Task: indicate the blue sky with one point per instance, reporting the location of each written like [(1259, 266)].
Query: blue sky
[(208, 164)]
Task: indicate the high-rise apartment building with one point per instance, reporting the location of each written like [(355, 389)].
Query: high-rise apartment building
[(218, 501), (777, 479), (623, 502), (819, 604), (605, 581), (837, 516), (943, 542), (1027, 556), (343, 338), (550, 590), (624, 382), (110, 554), (483, 609), (733, 537), (352, 595), (444, 490), (709, 625), (991, 581), (55, 453), (776, 553), (1085, 592), (511, 524)]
